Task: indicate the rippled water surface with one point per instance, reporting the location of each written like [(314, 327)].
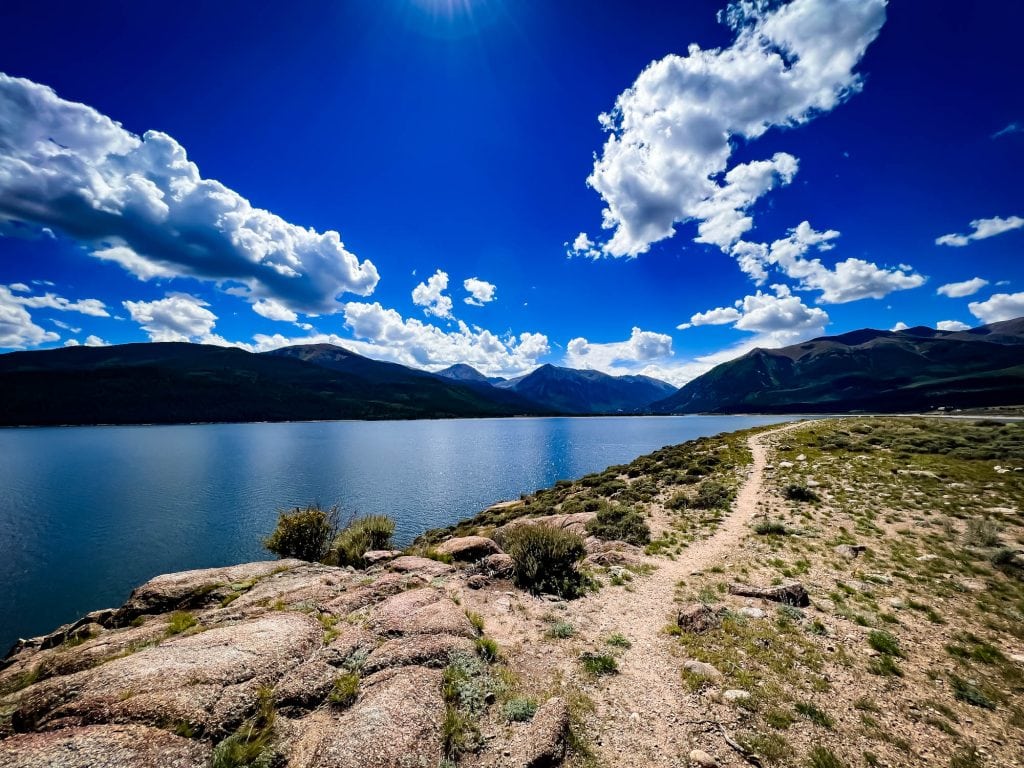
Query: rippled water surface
[(86, 513)]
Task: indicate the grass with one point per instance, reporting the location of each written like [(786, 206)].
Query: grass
[(822, 757), (884, 643), (179, 622), (964, 690), (487, 649), (345, 691), (814, 714), (546, 559), (766, 527), (599, 665), (252, 745), (618, 640)]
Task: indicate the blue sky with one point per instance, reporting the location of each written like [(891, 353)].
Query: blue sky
[(232, 173)]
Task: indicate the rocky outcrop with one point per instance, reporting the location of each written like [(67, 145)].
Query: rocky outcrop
[(104, 746), (698, 617), (542, 742), (576, 522), (468, 548)]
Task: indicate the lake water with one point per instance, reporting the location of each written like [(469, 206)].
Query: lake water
[(87, 513)]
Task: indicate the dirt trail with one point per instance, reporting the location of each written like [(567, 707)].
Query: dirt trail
[(642, 711)]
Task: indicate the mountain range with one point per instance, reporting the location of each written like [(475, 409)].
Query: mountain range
[(915, 369), (866, 370)]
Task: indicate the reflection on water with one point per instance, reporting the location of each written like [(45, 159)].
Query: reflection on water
[(87, 513)]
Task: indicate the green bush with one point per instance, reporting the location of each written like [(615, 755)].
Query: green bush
[(561, 630), (180, 621), (304, 533), (598, 664), (797, 492), (712, 495), (360, 536), (822, 757), (617, 522), (519, 710), (766, 527), (883, 642), (345, 691), (545, 558), (982, 533)]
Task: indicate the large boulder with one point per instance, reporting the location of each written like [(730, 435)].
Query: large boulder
[(421, 612), (209, 680), (468, 548), (103, 746), (498, 566)]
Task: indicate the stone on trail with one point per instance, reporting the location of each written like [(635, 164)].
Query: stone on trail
[(698, 618), (498, 566), (701, 669), (376, 556), (422, 566), (735, 695)]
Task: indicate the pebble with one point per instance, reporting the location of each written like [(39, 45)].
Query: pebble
[(735, 695), (701, 758)]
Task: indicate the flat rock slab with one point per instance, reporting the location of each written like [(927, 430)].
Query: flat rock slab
[(103, 746), (425, 650), (209, 680), (395, 723), (421, 611), (575, 523), (422, 566)]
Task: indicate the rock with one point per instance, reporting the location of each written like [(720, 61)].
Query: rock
[(700, 669), (350, 640), (191, 589), (306, 685), (377, 556), (788, 594), (735, 695), (926, 558), (698, 617), (542, 742), (801, 457), (309, 584), (210, 679), (785, 465), (752, 613), (395, 723), (850, 551), (424, 650), (421, 611), (468, 548), (423, 566), (499, 566), (1017, 658), (477, 581), (103, 746), (575, 523), (702, 759)]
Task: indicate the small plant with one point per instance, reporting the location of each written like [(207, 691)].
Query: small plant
[(618, 640), (712, 495), (345, 691), (617, 522), (885, 666), (251, 745), (982, 533), (180, 621), (966, 757), (884, 643), (597, 664), (822, 757), (768, 527), (972, 694), (519, 710), (545, 559), (476, 620), (814, 714), (798, 492), (361, 535), (304, 533), (561, 630), (459, 733), (487, 649)]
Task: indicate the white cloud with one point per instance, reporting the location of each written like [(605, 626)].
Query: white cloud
[(273, 310), (1008, 130), (778, 318), (19, 287), (1001, 306), (178, 317), (848, 280), (430, 296), (72, 343), (719, 316), (584, 246), (673, 131), (92, 307), (17, 330), (480, 291), (981, 230), (952, 325), (384, 334), (900, 326), (140, 202), (965, 288), (619, 357), (90, 341)]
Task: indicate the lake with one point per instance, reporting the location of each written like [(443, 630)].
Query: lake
[(87, 513)]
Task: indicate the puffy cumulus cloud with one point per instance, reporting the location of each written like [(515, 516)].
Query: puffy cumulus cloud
[(1001, 306), (848, 280), (17, 330), (672, 133), (178, 317), (982, 229), (273, 310), (430, 296), (952, 325), (965, 288), (900, 326), (778, 317), (619, 357), (140, 202), (90, 341), (583, 246), (480, 291), (93, 307), (384, 334)]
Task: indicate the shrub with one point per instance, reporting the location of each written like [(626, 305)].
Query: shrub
[(982, 533), (345, 691), (822, 757), (304, 533), (617, 522), (561, 630), (361, 535), (487, 649), (545, 558), (619, 640), (797, 492), (815, 714), (886, 666), (180, 621), (712, 495), (598, 664), (766, 527), (519, 710), (972, 694), (884, 643)]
